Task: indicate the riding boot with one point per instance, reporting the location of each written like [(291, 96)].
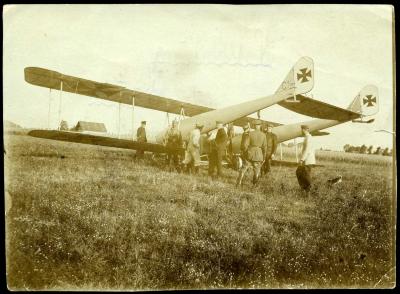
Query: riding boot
[(239, 179), (255, 180)]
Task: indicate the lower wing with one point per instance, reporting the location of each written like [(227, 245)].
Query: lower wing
[(100, 140)]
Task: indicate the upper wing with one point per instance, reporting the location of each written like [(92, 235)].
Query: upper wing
[(318, 109), (99, 140), (55, 80)]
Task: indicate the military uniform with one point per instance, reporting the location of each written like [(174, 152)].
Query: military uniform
[(217, 152), (173, 142), (192, 154), (254, 147), (231, 134), (141, 137), (272, 144)]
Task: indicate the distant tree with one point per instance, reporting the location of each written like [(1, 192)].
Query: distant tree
[(363, 149), (385, 152), (63, 126), (350, 149), (378, 150), (369, 150), (346, 147), (356, 149)]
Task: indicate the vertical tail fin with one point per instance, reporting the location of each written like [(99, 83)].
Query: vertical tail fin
[(366, 102), (300, 78)]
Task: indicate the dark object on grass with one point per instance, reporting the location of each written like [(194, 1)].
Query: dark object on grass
[(334, 181), (303, 174)]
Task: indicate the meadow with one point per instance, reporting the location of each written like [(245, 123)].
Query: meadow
[(81, 217)]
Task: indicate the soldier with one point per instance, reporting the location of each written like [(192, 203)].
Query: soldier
[(192, 154), (243, 145), (173, 141), (231, 134), (255, 147), (141, 137), (307, 160), (217, 150), (272, 144)]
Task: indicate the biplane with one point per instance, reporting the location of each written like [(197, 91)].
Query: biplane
[(291, 94)]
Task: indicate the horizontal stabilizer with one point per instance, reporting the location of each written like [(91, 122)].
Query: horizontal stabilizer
[(319, 133), (289, 163), (314, 108), (98, 140)]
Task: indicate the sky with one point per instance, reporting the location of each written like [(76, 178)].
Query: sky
[(211, 55)]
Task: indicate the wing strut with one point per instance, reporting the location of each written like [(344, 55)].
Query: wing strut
[(181, 116), (295, 148), (48, 114), (133, 116), (59, 106)]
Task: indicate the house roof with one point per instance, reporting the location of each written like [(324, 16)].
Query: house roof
[(90, 126)]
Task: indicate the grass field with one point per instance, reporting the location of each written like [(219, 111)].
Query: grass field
[(87, 217)]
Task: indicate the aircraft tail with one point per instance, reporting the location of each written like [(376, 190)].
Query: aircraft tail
[(366, 102), (300, 78)]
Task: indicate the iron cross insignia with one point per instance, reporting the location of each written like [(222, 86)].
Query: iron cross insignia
[(304, 74), (369, 100)]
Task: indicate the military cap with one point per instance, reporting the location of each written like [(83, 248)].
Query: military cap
[(257, 122), (143, 122), (270, 125), (246, 127)]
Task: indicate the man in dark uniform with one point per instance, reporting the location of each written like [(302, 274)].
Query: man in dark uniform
[(231, 134), (272, 144), (173, 141), (217, 151), (255, 147), (244, 143), (141, 137)]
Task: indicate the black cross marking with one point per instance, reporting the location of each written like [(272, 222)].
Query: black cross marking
[(304, 74), (369, 100)]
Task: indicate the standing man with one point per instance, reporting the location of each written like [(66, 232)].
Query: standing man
[(244, 144), (141, 137), (307, 160), (217, 150), (272, 144), (231, 134), (255, 145), (173, 142), (192, 154)]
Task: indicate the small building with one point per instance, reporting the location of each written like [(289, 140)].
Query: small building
[(87, 126)]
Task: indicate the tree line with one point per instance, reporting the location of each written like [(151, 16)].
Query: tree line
[(363, 149)]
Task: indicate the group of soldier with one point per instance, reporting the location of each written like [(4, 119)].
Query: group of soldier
[(257, 149)]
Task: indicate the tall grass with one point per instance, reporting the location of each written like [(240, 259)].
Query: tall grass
[(338, 157), (86, 217)]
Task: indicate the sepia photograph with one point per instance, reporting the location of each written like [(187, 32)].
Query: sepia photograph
[(182, 147)]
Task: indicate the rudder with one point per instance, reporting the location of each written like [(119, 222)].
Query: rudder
[(366, 102), (300, 78)]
